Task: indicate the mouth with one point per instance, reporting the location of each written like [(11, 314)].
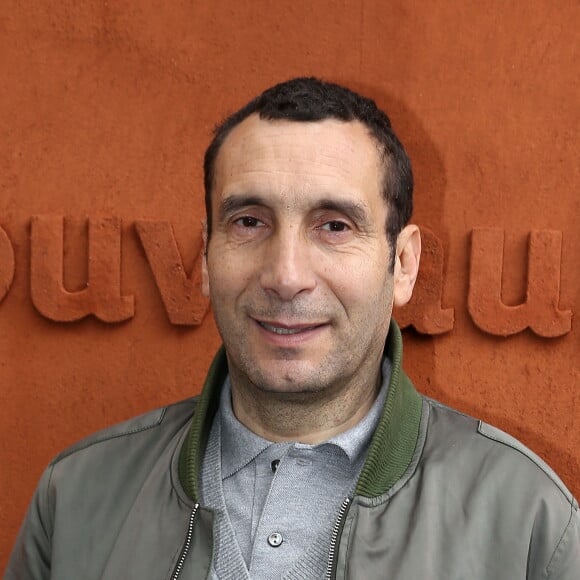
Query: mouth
[(290, 334), (277, 328)]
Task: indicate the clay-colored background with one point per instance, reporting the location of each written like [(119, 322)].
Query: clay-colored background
[(106, 108)]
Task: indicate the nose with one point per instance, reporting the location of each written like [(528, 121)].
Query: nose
[(287, 269)]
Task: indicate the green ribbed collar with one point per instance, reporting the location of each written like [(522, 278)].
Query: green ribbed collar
[(391, 449)]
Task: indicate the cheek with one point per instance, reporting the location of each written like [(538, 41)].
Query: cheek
[(227, 279), (361, 281)]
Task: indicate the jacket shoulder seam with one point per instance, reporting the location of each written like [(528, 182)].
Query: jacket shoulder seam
[(108, 435), (528, 454), (482, 429)]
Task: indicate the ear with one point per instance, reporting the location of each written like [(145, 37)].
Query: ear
[(408, 254), (204, 272)]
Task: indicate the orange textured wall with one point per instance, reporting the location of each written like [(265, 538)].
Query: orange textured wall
[(105, 111)]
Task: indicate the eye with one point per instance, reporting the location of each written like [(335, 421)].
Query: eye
[(335, 226), (248, 221)]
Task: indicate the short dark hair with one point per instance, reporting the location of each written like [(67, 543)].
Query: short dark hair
[(311, 99)]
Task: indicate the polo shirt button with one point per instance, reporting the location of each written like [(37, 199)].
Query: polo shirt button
[(274, 465), (275, 539)]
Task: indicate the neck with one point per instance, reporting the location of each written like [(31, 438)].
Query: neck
[(309, 418)]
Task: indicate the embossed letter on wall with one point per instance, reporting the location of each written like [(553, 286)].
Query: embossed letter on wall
[(540, 311), (424, 312), (102, 294), (181, 294), (7, 265)]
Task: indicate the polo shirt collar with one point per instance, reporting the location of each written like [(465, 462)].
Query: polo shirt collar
[(240, 445)]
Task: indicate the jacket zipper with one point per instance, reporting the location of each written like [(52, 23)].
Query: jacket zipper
[(186, 545), (334, 538)]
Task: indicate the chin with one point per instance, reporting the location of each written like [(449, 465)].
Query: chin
[(284, 380)]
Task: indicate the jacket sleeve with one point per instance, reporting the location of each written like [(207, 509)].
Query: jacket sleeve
[(31, 555), (565, 562)]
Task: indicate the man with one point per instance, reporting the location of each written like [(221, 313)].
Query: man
[(309, 454)]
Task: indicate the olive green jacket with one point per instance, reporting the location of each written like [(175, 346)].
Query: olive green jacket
[(441, 496)]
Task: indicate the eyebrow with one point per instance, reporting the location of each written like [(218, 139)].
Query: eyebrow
[(233, 203), (358, 212)]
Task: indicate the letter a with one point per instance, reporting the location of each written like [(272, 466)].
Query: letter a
[(7, 265), (540, 311), (424, 311), (102, 295)]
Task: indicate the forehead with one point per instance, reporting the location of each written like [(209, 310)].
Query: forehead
[(292, 157)]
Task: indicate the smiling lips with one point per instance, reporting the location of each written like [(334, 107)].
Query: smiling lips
[(284, 330)]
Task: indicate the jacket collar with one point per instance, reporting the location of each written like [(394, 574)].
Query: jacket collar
[(391, 449)]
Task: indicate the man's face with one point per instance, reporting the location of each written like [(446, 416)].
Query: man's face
[(298, 261)]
